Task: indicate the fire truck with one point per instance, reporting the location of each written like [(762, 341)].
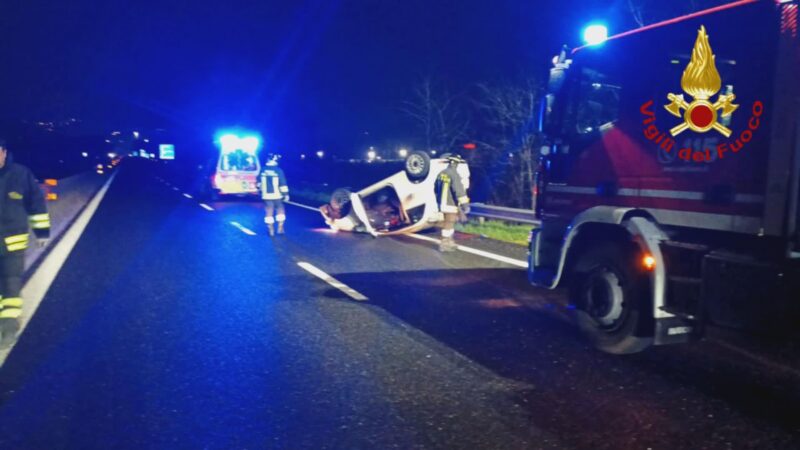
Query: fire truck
[(669, 183)]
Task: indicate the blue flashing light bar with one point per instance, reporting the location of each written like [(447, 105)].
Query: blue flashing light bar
[(595, 34), (231, 142)]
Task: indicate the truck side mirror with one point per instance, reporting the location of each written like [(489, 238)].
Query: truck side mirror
[(552, 102)]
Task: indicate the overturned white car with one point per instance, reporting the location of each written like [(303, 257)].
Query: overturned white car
[(405, 202)]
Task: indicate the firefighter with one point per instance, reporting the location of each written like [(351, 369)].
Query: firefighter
[(451, 194), (274, 192), (21, 203)]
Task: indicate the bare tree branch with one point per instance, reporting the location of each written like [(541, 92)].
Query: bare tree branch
[(441, 118), (510, 142)]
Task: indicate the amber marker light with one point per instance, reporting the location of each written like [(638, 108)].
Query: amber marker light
[(648, 261)]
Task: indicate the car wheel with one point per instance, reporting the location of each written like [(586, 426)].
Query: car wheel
[(417, 165), (340, 199), (610, 296)]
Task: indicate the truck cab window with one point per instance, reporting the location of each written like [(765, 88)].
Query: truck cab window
[(598, 102)]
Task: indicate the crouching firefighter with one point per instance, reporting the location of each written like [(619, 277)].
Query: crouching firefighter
[(21, 203), (274, 192), (451, 192)]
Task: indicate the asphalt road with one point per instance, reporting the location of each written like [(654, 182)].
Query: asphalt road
[(169, 327)]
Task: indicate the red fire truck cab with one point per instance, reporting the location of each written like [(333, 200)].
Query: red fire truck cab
[(669, 186)]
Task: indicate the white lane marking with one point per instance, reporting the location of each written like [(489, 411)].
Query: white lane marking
[(206, 207), (475, 251), (37, 286), (310, 208), (187, 195), (176, 188), (463, 248), (350, 292), (243, 229)]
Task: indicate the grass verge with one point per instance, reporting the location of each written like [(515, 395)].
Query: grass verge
[(494, 229)]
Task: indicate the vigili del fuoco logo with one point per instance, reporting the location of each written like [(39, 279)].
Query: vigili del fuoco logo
[(701, 81)]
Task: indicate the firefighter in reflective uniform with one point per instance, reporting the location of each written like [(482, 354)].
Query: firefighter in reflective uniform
[(22, 205), (274, 192), (451, 193)]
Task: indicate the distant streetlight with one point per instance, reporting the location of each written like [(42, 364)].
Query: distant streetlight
[(433, 152), (403, 153), (320, 154), (136, 135), (303, 156), (84, 154), (371, 155), (112, 155)]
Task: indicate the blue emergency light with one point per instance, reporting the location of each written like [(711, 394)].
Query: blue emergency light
[(230, 142), (595, 34)]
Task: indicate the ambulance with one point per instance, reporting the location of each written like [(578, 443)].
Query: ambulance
[(237, 168)]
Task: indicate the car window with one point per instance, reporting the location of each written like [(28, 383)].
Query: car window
[(239, 160), (598, 101)]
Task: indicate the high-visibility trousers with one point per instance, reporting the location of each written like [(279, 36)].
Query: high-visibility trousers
[(11, 267), (270, 206)]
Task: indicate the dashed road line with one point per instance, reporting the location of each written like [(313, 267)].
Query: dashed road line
[(244, 230), (206, 207), (187, 195), (175, 188), (347, 290)]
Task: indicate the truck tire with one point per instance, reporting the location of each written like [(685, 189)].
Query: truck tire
[(610, 297), (417, 165)]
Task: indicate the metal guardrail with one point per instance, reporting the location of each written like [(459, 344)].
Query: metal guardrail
[(504, 213)]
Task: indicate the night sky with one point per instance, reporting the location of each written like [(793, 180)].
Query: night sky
[(306, 73)]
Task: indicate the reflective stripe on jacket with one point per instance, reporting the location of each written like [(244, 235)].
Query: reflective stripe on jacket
[(273, 183), (22, 206), (450, 190)]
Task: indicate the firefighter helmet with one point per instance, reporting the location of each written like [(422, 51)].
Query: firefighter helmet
[(453, 158), (272, 159)]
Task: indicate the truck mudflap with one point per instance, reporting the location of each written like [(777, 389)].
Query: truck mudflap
[(677, 330)]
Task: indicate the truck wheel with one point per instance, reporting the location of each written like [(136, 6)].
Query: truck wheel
[(610, 297), (417, 165)]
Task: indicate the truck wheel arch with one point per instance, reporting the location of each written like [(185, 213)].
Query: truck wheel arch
[(626, 226), (607, 223), (585, 236)]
